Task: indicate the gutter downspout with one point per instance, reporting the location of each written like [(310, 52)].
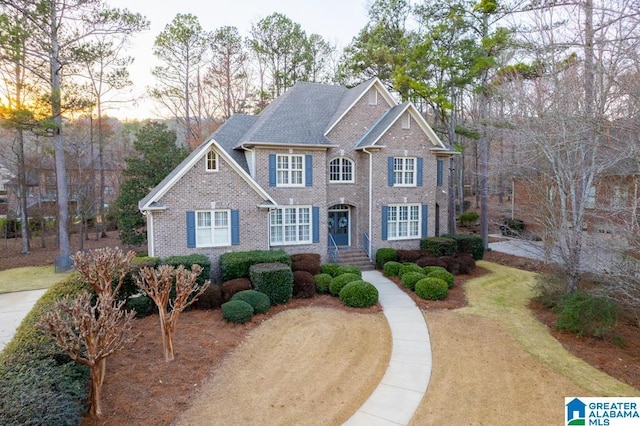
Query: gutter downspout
[(370, 199)]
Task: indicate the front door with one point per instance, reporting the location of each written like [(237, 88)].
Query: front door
[(339, 225)]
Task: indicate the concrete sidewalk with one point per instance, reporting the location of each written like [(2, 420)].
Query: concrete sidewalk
[(13, 308), (405, 382)]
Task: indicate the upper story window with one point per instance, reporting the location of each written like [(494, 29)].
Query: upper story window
[(213, 228), (373, 97), (406, 121), (403, 221), (341, 170), (212, 161), (404, 171), (290, 225), (290, 170), (439, 172)]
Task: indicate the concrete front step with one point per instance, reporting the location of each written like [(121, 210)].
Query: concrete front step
[(355, 257)]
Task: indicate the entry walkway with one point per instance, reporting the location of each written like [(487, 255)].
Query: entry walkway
[(402, 388), (13, 308)]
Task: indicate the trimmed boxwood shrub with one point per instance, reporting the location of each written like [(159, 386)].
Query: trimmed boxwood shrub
[(237, 311), (273, 279), (188, 261), (432, 288), (340, 281), (410, 267), (331, 269), (39, 383), (322, 283), (392, 268), (429, 269), (304, 286), (469, 244), (587, 315), (439, 246), (385, 255), (359, 294), (236, 264), (348, 269), (258, 301), (410, 279), (444, 276)]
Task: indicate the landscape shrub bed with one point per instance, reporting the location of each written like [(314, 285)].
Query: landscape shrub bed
[(468, 244), (340, 281), (359, 294), (410, 279), (587, 315), (439, 246), (188, 261), (445, 276), (410, 267), (237, 264), (39, 383), (332, 269), (273, 279), (348, 269), (385, 255), (392, 268), (304, 285), (307, 262)]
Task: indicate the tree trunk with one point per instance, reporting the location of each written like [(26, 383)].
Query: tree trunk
[(167, 340), (95, 406), (23, 193)]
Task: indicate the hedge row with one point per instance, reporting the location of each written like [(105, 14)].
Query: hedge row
[(236, 264)]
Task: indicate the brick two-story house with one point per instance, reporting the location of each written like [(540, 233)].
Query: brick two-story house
[(321, 168)]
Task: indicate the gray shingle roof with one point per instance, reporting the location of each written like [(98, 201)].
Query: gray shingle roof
[(380, 126), (299, 116)]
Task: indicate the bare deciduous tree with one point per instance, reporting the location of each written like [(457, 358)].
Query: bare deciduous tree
[(101, 267), (157, 284), (89, 334)]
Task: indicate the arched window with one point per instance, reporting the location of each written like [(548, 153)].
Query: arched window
[(341, 170), (212, 161)]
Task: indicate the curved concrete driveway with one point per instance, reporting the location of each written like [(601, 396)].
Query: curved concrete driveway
[(402, 388)]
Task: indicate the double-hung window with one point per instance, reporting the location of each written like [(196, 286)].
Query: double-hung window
[(213, 228), (341, 170), (212, 161), (403, 221), (290, 170), (290, 225), (404, 171)]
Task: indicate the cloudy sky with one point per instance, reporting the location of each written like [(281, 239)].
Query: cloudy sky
[(338, 21)]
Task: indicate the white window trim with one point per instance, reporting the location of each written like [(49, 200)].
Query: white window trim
[(213, 227), (206, 161), (408, 221), (297, 225), (404, 171), (341, 172), (289, 171)]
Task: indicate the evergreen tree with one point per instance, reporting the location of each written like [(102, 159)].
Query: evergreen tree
[(157, 156)]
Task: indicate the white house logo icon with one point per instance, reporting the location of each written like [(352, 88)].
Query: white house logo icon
[(576, 412)]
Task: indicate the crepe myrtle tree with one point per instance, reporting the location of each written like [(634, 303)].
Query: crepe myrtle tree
[(157, 283)]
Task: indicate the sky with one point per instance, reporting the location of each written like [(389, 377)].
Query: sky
[(337, 21)]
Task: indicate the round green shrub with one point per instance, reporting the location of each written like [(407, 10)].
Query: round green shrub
[(432, 288), (330, 268), (322, 283), (385, 255), (237, 311), (359, 294), (392, 268), (430, 269), (258, 301), (340, 281), (348, 269), (410, 267), (445, 276), (140, 304), (410, 279)]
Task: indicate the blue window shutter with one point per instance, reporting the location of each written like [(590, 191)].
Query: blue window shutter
[(235, 227), (384, 222), (191, 229), (440, 177), (315, 218), (308, 170), (272, 170), (390, 171), (425, 216), (419, 171)]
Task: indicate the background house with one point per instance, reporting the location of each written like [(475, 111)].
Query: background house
[(322, 169)]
